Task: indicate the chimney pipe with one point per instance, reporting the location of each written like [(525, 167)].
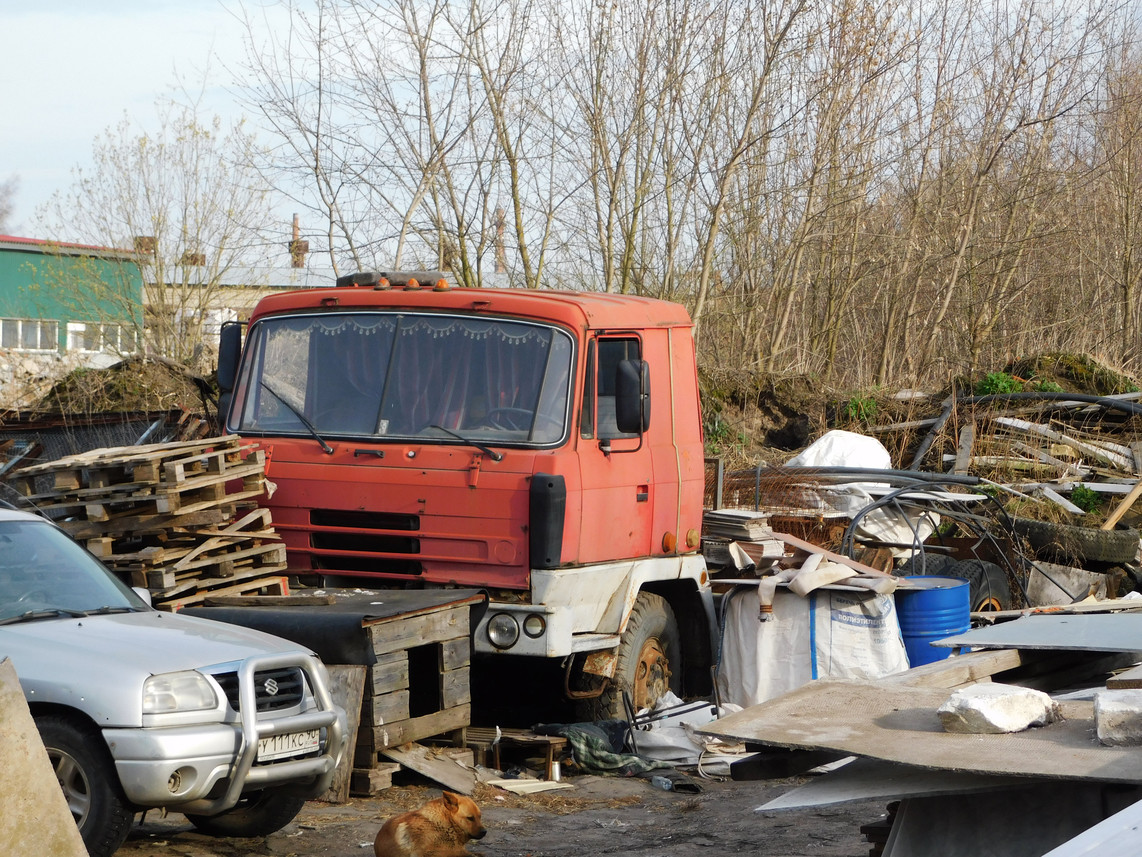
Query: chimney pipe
[(297, 247)]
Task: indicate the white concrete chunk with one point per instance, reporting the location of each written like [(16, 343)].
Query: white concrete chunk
[(1118, 717), (990, 709)]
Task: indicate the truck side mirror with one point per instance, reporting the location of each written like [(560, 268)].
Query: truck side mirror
[(632, 396), (229, 353)]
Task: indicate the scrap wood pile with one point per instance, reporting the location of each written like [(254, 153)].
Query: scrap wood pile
[(1029, 496), (176, 518)]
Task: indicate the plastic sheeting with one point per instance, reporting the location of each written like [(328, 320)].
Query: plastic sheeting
[(831, 633), (887, 525)]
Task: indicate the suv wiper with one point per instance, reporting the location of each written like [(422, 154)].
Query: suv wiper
[(487, 450), (107, 611), (53, 613), (305, 422)]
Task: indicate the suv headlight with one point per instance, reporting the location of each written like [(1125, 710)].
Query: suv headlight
[(181, 691)]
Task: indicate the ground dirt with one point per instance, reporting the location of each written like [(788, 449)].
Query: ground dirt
[(599, 815)]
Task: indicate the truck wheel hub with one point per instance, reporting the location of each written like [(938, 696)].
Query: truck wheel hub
[(651, 675)]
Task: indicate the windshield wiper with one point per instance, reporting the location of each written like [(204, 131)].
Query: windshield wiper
[(52, 613), (107, 611), (305, 422), (487, 450)]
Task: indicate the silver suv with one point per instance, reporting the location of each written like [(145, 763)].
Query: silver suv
[(141, 709)]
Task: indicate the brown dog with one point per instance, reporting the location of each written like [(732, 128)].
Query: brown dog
[(440, 828)]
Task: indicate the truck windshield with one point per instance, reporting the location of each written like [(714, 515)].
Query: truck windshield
[(405, 375)]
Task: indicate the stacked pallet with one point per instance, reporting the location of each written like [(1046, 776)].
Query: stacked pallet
[(176, 518)]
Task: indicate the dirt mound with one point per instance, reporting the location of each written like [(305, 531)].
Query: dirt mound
[(135, 384)]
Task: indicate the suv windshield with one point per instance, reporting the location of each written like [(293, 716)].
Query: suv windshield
[(401, 375), (43, 570)]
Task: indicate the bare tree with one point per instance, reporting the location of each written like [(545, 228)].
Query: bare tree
[(187, 200), (8, 189)]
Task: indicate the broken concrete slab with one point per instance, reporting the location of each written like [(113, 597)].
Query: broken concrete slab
[(36, 818), (1118, 717), (993, 708)]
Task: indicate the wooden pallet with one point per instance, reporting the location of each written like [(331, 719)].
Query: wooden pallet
[(173, 517), (200, 590)]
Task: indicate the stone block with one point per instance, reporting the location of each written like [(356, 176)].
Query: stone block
[(1118, 717), (36, 818), (990, 709)]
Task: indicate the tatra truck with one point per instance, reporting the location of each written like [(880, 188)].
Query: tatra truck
[(543, 446)]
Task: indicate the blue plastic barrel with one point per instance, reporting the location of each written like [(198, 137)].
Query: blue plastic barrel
[(933, 608)]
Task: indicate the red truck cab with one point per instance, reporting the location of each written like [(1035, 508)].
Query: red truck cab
[(544, 446)]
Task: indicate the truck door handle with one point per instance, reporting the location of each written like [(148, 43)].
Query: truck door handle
[(379, 453)]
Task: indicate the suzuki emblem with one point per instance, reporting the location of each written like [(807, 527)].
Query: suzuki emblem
[(271, 687)]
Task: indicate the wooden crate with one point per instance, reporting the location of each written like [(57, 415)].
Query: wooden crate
[(419, 687)]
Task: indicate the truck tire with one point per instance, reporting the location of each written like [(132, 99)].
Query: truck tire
[(648, 663), (1078, 543), (258, 814), (86, 773), (989, 589)]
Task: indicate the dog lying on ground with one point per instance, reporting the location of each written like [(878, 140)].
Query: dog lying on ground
[(440, 828)]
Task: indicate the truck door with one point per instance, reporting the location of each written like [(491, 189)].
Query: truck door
[(617, 472)]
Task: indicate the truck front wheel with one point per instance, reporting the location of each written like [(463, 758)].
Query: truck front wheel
[(258, 814), (86, 773), (649, 660)]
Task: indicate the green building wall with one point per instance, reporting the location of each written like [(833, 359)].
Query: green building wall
[(68, 283)]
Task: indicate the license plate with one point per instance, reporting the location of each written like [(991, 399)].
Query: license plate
[(290, 744)]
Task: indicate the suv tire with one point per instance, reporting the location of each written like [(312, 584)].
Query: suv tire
[(86, 773)]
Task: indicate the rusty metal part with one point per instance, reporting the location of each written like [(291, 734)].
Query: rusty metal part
[(651, 675), (594, 693)]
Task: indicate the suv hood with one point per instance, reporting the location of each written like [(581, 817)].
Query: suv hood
[(98, 664)]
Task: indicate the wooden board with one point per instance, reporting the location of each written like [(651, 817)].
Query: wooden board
[(407, 631), (414, 729), (437, 767), (347, 687), (366, 782)]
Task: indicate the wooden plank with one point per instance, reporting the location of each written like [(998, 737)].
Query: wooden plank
[(455, 653), (441, 769), (1131, 679), (828, 554), (417, 728), (347, 687), (1107, 457), (367, 781), (455, 688), (407, 631), (269, 601), (388, 707), (1123, 507), (963, 669), (963, 451), (390, 672)]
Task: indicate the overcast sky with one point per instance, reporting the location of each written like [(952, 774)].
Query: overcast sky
[(71, 68)]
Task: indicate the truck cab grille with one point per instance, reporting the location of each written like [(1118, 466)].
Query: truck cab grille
[(274, 690)]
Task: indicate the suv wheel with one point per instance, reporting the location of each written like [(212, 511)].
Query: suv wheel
[(258, 814), (86, 774)]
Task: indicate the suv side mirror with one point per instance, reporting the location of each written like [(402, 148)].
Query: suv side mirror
[(632, 396)]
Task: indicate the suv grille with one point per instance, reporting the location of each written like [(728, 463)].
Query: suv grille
[(286, 683)]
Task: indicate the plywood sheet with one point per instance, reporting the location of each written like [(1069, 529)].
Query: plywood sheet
[(1093, 632), (898, 723), (865, 779)]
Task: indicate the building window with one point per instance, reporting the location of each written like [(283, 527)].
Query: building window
[(29, 334), (93, 337)]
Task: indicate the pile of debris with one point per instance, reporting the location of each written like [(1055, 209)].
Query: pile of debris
[(176, 518)]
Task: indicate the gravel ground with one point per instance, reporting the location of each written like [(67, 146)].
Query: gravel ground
[(599, 815)]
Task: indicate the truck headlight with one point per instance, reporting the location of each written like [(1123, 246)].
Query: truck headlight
[(181, 691), (503, 630)]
